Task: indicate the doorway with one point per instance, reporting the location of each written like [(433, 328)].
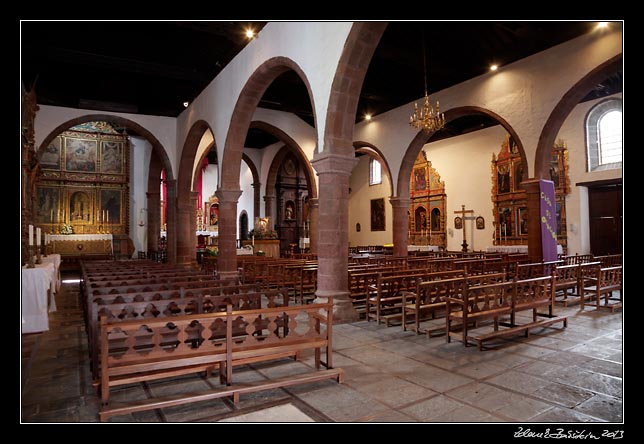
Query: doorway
[(605, 218)]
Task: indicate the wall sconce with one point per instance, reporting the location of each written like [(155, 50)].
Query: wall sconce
[(141, 221)]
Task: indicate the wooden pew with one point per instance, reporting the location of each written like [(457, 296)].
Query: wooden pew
[(609, 260), (146, 350), (605, 282)]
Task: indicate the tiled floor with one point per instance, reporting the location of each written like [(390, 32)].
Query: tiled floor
[(556, 375)]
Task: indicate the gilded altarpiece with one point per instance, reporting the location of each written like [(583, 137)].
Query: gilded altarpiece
[(84, 181), (510, 199), (427, 209)]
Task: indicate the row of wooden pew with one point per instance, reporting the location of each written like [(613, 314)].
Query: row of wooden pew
[(147, 321)]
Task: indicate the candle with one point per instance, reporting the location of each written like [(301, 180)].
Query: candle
[(31, 235), (253, 240), (108, 216), (38, 236)]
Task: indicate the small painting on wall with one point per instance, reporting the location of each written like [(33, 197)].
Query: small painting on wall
[(378, 214)]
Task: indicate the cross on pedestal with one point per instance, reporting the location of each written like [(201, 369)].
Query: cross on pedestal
[(463, 212)]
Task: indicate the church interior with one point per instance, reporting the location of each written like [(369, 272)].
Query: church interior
[(328, 222)]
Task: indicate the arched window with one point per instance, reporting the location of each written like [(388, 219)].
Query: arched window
[(604, 136), (375, 172)]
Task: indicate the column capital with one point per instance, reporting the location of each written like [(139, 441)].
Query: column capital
[(227, 196), (314, 202), (400, 202), (329, 163), (268, 198), (256, 184)]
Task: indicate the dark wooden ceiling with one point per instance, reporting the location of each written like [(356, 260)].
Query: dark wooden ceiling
[(153, 67)]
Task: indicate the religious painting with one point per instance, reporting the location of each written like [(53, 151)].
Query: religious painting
[(518, 175), (378, 214), (421, 219), (213, 216), (505, 221), (111, 157), (80, 155), (480, 223), (522, 220), (50, 157), (458, 223), (48, 205), (111, 205), (503, 178), (553, 170), (80, 207), (436, 219), (420, 180)]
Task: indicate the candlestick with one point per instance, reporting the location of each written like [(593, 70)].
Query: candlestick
[(30, 255), (38, 236), (31, 235)]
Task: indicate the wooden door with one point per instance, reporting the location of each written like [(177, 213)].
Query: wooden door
[(605, 211)]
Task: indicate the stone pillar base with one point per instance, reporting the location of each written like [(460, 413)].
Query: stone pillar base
[(343, 310)]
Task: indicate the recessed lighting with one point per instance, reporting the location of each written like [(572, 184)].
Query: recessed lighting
[(367, 116), (602, 25), (250, 33), (494, 67), (185, 104)]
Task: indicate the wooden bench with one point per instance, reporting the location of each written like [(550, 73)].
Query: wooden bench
[(566, 279), (496, 301), (603, 284), (609, 260), (146, 350), (432, 292)]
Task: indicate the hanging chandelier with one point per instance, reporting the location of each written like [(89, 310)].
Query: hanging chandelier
[(427, 118)]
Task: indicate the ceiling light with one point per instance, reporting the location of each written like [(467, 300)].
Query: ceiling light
[(494, 67), (185, 104), (367, 116), (250, 33), (602, 25)]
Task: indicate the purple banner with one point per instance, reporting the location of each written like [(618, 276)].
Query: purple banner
[(548, 218)]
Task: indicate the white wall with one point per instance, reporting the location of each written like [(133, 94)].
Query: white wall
[(209, 181), (140, 153), (360, 206), (464, 164), (246, 200), (573, 133)]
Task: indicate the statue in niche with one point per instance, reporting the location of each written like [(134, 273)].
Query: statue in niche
[(289, 212)]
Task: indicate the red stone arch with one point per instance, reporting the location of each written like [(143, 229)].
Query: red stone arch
[(373, 151), (247, 102), (423, 137), (347, 85), (565, 106), (185, 203)]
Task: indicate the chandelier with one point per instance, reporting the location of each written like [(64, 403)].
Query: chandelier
[(427, 118)]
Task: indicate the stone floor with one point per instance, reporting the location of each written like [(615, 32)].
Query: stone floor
[(555, 376)]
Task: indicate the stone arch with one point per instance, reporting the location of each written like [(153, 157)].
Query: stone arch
[(423, 137), (565, 106), (186, 198), (292, 146), (256, 183), (373, 151), (347, 85), (245, 106)]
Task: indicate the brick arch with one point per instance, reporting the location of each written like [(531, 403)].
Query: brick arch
[(373, 151), (347, 85), (247, 102), (157, 147), (563, 109), (424, 137), (291, 146)]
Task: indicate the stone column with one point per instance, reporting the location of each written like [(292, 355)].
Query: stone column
[(256, 196), (154, 220), (400, 225), (269, 201), (171, 220), (531, 186), (334, 171), (227, 258), (314, 207), (186, 230)]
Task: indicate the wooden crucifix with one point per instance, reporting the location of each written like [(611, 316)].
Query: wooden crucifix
[(464, 212)]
